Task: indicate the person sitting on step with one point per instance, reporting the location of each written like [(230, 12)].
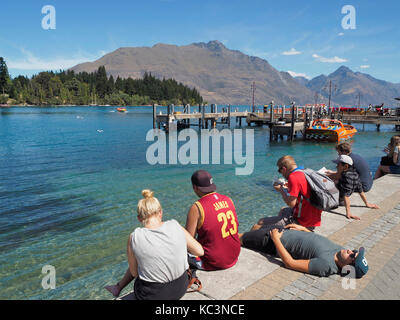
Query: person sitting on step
[(157, 255)]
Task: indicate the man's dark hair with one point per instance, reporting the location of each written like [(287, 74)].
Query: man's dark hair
[(344, 147)]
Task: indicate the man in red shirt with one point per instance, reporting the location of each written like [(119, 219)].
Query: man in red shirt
[(213, 218), (299, 210)]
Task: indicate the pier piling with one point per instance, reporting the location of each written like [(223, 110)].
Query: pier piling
[(154, 115), (292, 121), (271, 116), (229, 116)]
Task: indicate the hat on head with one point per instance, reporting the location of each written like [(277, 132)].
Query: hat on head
[(361, 264), (204, 181), (344, 159)]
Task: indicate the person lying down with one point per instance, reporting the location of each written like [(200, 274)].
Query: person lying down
[(305, 251)]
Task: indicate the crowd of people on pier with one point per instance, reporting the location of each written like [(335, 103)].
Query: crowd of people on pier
[(163, 256)]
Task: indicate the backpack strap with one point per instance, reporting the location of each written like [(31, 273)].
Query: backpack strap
[(300, 206), (301, 196)]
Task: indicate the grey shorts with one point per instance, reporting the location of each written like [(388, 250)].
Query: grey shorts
[(284, 218)]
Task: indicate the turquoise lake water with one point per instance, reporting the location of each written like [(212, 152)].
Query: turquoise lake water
[(70, 179)]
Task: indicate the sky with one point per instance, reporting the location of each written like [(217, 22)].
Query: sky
[(307, 37)]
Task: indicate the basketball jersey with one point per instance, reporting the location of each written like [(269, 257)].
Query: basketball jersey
[(218, 231)]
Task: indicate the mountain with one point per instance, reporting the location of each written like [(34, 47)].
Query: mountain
[(225, 76), (350, 84), (302, 80), (221, 75)]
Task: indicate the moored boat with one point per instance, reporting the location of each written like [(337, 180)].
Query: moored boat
[(329, 130)]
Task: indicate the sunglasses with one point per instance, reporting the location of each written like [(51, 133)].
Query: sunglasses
[(279, 170), (353, 255)]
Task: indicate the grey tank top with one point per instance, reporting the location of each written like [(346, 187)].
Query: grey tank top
[(161, 253)]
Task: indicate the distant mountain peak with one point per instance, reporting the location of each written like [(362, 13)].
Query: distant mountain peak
[(213, 45), (343, 70)]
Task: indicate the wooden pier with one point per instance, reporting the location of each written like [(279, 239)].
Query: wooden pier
[(282, 120), (371, 119), (205, 120)]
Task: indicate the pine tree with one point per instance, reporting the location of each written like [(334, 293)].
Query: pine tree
[(5, 81), (101, 81)]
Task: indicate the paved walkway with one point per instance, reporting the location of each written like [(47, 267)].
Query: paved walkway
[(386, 283), (258, 276)]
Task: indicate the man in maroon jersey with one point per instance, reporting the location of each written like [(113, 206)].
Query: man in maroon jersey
[(213, 218)]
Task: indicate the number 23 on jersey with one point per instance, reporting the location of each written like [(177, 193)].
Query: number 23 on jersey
[(224, 218)]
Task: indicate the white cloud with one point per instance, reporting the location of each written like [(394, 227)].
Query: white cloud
[(328, 60), (340, 34), (291, 52), (365, 66), (31, 62), (295, 74)]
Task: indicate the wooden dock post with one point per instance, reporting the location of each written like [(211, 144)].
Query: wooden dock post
[(200, 123), (229, 116), (187, 110), (306, 120), (168, 116), (154, 115), (202, 116), (271, 116), (292, 121)]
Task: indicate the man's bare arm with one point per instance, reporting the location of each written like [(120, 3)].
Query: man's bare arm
[(289, 200), (297, 265), (297, 227), (192, 220), (347, 205)]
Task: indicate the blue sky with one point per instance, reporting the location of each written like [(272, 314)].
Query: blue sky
[(303, 37)]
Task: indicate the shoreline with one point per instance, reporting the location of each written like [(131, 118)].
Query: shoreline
[(67, 105)]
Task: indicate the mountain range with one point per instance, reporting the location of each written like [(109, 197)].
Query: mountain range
[(225, 76), (349, 87)]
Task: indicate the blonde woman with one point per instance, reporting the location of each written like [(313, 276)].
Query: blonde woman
[(394, 153), (157, 255)]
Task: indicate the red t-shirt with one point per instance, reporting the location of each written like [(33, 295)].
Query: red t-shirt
[(297, 186), (218, 233)]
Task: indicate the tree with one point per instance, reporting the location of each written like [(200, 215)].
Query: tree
[(66, 87), (5, 81), (101, 81), (119, 84)]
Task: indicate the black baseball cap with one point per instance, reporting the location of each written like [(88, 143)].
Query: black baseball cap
[(204, 181)]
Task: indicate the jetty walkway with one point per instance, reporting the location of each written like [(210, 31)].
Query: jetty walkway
[(258, 276), (282, 121)]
